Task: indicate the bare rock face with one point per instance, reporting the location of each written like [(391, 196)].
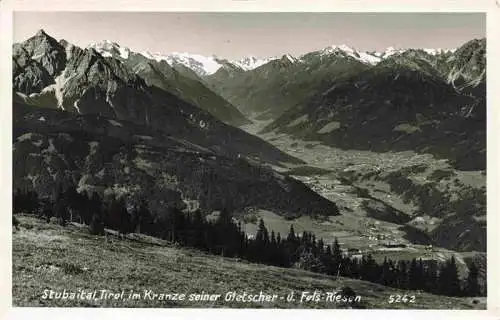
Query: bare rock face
[(181, 82), (81, 80), (36, 63), (53, 74), (468, 65)]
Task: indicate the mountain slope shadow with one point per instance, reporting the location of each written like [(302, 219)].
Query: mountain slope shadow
[(101, 154)]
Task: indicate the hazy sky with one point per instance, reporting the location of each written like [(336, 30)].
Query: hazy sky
[(234, 35)]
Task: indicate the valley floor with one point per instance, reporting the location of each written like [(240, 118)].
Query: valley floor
[(355, 227), (50, 257)]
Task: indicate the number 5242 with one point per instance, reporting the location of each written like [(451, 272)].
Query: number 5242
[(397, 298)]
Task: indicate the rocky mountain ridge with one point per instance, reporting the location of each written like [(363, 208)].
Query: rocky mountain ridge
[(52, 74), (407, 101), (174, 78), (312, 73)]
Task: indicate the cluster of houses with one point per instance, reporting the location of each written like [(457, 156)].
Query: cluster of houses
[(353, 253), (394, 245), (322, 188)]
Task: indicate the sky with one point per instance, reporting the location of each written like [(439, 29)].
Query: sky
[(236, 35)]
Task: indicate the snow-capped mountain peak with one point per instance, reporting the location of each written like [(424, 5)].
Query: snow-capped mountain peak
[(153, 56), (390, 51), (106, 48), (372, 57), (104, 45), (200, 64), (438, 51), (334, 49), (207, 65), (344, 48), (290, 58), (364, 57), (251, 62)]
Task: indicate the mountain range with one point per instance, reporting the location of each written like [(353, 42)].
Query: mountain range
[(173, 77), (169, 127), (53, 74), (79, 113), (208, 65), (268, 91), (409, 101)]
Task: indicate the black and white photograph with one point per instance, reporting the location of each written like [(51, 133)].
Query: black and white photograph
[(285, 160)]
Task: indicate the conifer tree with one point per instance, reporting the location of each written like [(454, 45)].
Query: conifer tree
[(328, 250), (304, 239), (291, 235), (386, 271), (337, 252), (414, 276), (431, 283), (308, 261), (86, 208), (472, 286), (60, 205), (32, 199), (449, 283), (113, 210), (96, 205), (96, 225), (262, 236), (455, 288), (125, 222), (225, 218), (17, 201), (321, 246), (402, 275), (372, 268), (199, 226), (392, 273), (72, 200)]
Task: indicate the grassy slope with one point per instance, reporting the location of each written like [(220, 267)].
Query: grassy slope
[(47, 256)]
